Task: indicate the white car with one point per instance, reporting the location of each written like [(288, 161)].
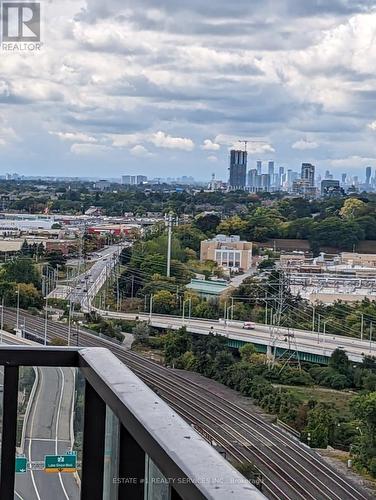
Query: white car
[(248, 325)]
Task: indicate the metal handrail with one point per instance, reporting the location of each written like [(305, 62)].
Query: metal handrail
[(148, 427)]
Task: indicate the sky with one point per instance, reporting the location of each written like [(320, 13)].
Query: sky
[(165, 88)]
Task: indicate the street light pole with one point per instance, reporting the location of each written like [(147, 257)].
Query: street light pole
[(151, 306), (169, 236), (266, 312), (2, 319), (69, 322), (370, 336), (46, 322), (18, 307)]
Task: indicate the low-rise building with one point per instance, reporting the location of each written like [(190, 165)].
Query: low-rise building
[(358, 259), (208, 289), (228, 252)]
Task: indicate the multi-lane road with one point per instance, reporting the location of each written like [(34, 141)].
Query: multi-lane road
[(290, 469), (48, 430), (301, 340), (88, 284)]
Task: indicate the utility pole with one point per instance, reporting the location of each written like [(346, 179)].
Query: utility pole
[(151, 306), (361, 326), (313, 319), (266, 312), (70, 322), (2, 319), (18, 307), (370, 336), (169, 237), (45, 322), (117, 293)]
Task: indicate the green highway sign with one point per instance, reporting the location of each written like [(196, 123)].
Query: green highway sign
[(60, 463), (21, 465)]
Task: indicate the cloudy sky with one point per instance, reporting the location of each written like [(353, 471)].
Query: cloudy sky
[(165, 87)]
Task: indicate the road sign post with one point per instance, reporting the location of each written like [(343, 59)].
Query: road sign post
[(21, 465), (60, 463)]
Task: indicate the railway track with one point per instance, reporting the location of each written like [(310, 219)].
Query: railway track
[(290, 469)]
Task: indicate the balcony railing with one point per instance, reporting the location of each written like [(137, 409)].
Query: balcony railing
[(149, 433)]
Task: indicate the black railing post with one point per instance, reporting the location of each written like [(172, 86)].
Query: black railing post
[(9, 433), (174, 495), (93, 445), (131, 468)]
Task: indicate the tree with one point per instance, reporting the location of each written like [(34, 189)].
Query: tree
[(321, 424), (364, 409), (353, 208), (56, 259), (207, 223), (266, 264), (176, 344), (21, 270), (342, 234), (339, 361), (141, 332), (164, 302), (246, 351)]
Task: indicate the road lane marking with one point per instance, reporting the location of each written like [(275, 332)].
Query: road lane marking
[(57, 427), (40, 375)]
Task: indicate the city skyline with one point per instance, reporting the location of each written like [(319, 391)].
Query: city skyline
[(175, 85)]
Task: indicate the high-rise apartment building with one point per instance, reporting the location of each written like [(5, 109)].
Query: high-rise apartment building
[(238, 169), (368, 175), (133, 180), (259, 166), (308, 174)]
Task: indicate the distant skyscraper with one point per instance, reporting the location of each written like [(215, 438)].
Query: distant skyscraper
[(327, 174), (343, 177), (271, 168), (308, 174), (259, 167), (252, 176), (368, 174), (238, 169)]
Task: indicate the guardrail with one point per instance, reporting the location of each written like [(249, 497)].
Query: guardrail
[(150, 432)]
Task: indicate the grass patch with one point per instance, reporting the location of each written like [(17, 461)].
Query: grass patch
[(340, 399)]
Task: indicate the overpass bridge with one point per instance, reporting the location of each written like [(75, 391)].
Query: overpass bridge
[(315, 347)]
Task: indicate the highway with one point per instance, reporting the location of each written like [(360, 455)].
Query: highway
[(290, 469), (47, 430), (88, 284), (304, 341)]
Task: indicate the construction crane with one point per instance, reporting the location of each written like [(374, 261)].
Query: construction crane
[(246, 142)]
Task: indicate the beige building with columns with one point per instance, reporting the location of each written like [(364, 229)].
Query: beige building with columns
[(228, 252)]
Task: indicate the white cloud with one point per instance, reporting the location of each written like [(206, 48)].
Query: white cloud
[(372, 125), (7, 136), (304, 144), (162, 140), (89, 149), (209, 145), (125, 140), (140, 151), (212, 158), (74, 137), (353, 162)]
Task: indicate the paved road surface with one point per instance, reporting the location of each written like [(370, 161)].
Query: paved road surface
[(48, 431), (304, 341)]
